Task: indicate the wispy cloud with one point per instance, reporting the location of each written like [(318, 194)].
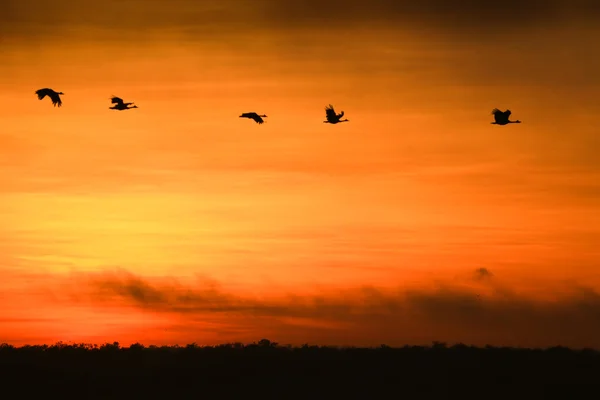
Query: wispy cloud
[(487, 313)]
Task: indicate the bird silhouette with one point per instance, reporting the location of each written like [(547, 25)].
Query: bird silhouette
[(254, 116), (120, 105), (54, 96), (332, 117), (501, 118)]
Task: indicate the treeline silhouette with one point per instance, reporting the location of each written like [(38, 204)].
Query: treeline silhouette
[(267, 369)]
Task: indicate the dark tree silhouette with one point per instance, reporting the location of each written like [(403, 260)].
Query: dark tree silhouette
[(268, 369)]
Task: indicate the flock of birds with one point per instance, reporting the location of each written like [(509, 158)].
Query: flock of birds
[(500, 117)]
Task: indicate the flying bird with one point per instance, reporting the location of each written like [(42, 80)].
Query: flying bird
[(120, 105), (54, 96), (501, 117), (332, 117), (254, 116)]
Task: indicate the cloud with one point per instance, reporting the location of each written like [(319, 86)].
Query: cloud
[(488, 313), (37, 17), (483, 273), (459, 15)]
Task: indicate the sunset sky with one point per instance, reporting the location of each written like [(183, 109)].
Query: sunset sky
[(415, 221)]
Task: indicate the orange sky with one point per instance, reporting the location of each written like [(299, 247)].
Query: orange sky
[(179, 222)]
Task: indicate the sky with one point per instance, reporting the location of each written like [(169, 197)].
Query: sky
[(417, 220)]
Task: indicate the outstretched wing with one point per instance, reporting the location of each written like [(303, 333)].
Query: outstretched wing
[(254, 116), (116, 100), (55, 99), (340, 115), (330, 113), (41, 93), (507, 114)]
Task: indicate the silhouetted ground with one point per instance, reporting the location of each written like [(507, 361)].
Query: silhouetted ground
[(267, 370)]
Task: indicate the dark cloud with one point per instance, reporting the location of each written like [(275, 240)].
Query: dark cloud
[(38, 17), (464, 14), (367, 314), (483, 273), (516, 43)]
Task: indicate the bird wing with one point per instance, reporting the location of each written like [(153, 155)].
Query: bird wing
[(340, 115), (41, 93), (330, 112), (498, 115), (507, 113), (253, 116), (116, 100), (56, 99)]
